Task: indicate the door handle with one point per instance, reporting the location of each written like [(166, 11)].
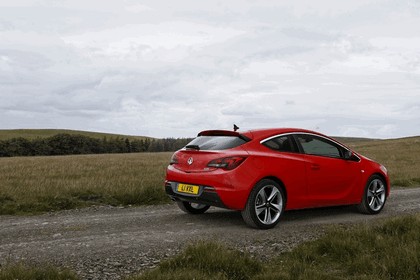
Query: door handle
[(315, 166)]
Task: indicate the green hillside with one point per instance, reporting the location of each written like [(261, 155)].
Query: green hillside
[(43, 133)]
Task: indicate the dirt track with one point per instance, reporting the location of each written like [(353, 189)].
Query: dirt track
[(109, 242)]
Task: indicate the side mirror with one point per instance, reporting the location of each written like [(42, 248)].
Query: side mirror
[(348, 154)]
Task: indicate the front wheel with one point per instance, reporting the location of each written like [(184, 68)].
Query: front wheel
[(192, 208), (265, 205), (374, 196)]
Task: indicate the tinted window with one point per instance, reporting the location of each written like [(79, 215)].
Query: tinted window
[(217, 142), (313, 145), (281, 144)]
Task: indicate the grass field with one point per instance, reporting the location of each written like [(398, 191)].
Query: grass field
[(43, 133), (38, 184)]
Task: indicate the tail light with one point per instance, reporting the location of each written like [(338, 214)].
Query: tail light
[(227, 163), (174, 159)]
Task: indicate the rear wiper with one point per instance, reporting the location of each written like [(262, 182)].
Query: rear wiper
[(193, 147)]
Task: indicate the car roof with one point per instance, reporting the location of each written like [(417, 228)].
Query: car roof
[(268, 132), (258, 134), (261, 134)]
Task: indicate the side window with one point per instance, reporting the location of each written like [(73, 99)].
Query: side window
[(313, 145), (281, 144)]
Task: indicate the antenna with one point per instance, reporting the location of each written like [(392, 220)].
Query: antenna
[(235, 127)]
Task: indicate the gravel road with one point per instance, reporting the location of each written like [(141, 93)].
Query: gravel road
[(110, 242)]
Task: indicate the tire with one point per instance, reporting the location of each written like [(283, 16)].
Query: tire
[(265, 205), (374, 196), (192, 208)]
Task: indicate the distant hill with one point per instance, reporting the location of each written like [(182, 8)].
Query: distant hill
[(44, 133), (367, 142), (352, 140)]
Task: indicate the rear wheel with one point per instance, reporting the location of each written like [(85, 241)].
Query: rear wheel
[(374, 196), (192, 208), (265, 205)]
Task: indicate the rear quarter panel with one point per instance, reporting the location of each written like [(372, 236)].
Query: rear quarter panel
[(288, 168)]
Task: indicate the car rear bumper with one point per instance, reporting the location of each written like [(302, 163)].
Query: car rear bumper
[(227, 189), (207, 195)]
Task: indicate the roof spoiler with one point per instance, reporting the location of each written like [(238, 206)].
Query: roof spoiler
[(223, 133)]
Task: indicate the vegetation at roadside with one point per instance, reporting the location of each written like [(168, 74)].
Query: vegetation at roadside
[(390, 250), (39, 184), (24, 272), (207, 260)]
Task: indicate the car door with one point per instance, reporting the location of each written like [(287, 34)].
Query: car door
[(330, 178)]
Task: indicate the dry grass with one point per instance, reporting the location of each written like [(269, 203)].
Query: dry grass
[(44, 272), (32, 184), (206, 260), (400, 156)]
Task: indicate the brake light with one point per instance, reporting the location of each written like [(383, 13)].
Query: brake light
[(227, 163), (174, 159)]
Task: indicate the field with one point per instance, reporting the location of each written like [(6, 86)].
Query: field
[(39, 184)]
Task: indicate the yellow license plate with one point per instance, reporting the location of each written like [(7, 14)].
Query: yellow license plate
[(185, 188)]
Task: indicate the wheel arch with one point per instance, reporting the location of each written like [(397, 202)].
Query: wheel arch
[(269, 177)]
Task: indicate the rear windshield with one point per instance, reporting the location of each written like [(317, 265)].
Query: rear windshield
[(217, 142)]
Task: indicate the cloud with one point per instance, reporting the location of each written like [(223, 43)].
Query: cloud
[(146, 42), (165, 70)]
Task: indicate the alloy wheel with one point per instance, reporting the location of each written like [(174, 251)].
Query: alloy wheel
[(376, 194), (268, 204)]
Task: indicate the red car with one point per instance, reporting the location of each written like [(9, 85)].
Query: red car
[(264, 172)]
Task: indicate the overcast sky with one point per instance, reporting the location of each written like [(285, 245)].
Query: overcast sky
[(165, 68)]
